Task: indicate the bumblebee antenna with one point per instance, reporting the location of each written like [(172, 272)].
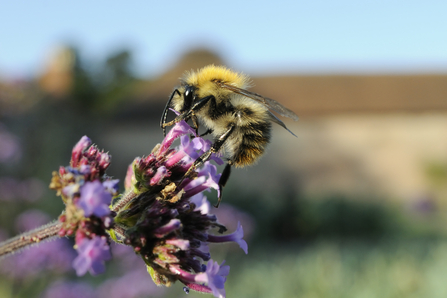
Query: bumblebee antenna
[(165, 112)]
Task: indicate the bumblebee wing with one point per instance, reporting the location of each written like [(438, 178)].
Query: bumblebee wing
[(270, 103), (275, 119)]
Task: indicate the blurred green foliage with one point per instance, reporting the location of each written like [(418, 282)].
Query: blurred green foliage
[(338, 269), (352, 269), (101, 89), (291, 217), (437, 173)]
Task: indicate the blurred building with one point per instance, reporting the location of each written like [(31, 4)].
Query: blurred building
[(359, 135), (57, 77)]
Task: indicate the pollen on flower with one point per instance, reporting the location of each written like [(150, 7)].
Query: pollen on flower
[(168, 222)]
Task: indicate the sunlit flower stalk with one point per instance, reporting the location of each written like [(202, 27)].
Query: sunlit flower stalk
[(38, 235)]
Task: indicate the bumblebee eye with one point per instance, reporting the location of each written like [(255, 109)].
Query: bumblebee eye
[(188, 98)]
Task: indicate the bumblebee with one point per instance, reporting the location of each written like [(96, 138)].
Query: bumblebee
[(238, 119)]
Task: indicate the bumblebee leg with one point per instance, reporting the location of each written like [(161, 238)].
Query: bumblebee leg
[(223, 181), (195, 123), (207, 132), (188, 114), (206, 156), (166, 124), (166, 110), (185, 116)]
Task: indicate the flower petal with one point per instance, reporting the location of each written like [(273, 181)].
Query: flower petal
[(95, 200)]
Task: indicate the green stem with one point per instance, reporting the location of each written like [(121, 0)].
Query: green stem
[(125, 199)]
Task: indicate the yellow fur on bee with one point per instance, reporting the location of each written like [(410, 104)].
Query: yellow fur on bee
[(203, 79)]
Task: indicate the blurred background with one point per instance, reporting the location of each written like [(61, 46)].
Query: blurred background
[(355, 206)]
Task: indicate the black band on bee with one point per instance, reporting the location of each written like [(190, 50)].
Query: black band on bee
[(246, 111), (217, 110), (263, 127)]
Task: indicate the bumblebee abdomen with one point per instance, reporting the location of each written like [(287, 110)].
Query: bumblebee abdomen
[(253, 140)]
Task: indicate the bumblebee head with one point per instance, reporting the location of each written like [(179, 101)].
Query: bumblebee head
[(204, 81)]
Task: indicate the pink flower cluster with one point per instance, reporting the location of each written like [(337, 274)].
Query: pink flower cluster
[(87, 193), (163, 214), (168, 224)]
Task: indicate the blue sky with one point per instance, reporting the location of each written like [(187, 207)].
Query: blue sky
[(320, 36)]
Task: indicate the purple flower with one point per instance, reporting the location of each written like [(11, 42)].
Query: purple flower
[(180, 129), (203, 251), (205, 145), (171, 226), (87, 193), (186, 152), (190, 147), (196, 147), (189, 150), (236, 237), (203, 182), (70, 190), (213, 177), (161, 173), (95, 199), (92, 254), (163, 214), (79, 149), (111, 186), (201, 203), (215, 277), (104, 160), (128, 181), (212, 280), (166, 217), (180, 243)]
